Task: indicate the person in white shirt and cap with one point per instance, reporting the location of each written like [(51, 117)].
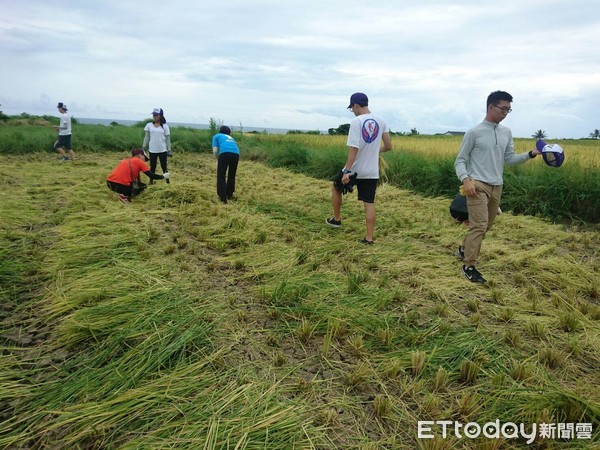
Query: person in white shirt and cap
[(157, 139), (368, 136), (64, 134)]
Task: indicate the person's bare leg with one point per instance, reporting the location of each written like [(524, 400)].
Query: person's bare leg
[(370, 219), (336, 201)]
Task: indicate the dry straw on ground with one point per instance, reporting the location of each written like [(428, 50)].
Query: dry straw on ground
[(179, 322)]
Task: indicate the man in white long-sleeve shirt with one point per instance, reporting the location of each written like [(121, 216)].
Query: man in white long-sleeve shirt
[(479, 166)]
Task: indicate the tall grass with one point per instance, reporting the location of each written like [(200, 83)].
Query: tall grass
[(426, 165), (26, 138), (423, 164)]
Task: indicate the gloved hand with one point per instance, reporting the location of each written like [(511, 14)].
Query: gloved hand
[(337, 182), (350, 186), (344, 188)]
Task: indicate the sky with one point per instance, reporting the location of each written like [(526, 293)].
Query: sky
[(424, 64)]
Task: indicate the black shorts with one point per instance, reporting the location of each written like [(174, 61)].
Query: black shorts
[(63, 141), (366, 189)]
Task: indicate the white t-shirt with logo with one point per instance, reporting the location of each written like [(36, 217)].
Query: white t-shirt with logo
[(65, 124), (365, 134), (158, 137)]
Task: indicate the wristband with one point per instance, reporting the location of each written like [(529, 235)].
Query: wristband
[(345, 171), (531, 155)]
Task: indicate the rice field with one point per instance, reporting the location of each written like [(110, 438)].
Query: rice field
[(425, 164), (579, 151), (178, 322), (422, 164)]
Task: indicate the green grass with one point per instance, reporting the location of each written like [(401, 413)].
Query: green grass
[(179, 322), (568, 194), (424, 164)]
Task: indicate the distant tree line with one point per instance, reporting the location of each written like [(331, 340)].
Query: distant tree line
[(215, 124), (541, 134), (317, 132), (344, 129)]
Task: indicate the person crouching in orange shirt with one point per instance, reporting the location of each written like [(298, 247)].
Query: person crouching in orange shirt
[(125, 178)]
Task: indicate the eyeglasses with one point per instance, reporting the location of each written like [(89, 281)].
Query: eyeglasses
[(503, 108)]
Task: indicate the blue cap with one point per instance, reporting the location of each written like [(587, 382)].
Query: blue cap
[(358, 98), (553, 154)]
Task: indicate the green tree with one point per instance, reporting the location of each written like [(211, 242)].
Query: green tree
[(343, 129), (539, 134), (413, 132), (595, 134)]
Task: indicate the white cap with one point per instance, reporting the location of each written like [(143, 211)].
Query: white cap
[(552, 148)]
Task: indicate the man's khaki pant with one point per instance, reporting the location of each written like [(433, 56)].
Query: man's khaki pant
[(483, 208)]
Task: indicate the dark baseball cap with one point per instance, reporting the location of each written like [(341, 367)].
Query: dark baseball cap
[(358, 98), (139, 151)]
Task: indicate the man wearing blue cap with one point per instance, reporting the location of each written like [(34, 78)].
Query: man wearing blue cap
[(479, 166), (367, 132)]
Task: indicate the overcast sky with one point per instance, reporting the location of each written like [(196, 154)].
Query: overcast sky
[(293, 64)]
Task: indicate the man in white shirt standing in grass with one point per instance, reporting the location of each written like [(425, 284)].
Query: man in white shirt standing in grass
[(367, 132), (64, 134), (479, 166)]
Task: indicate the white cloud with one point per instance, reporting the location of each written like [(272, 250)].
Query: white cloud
[(424, 64)]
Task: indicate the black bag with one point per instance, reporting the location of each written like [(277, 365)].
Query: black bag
[(458, 208)]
